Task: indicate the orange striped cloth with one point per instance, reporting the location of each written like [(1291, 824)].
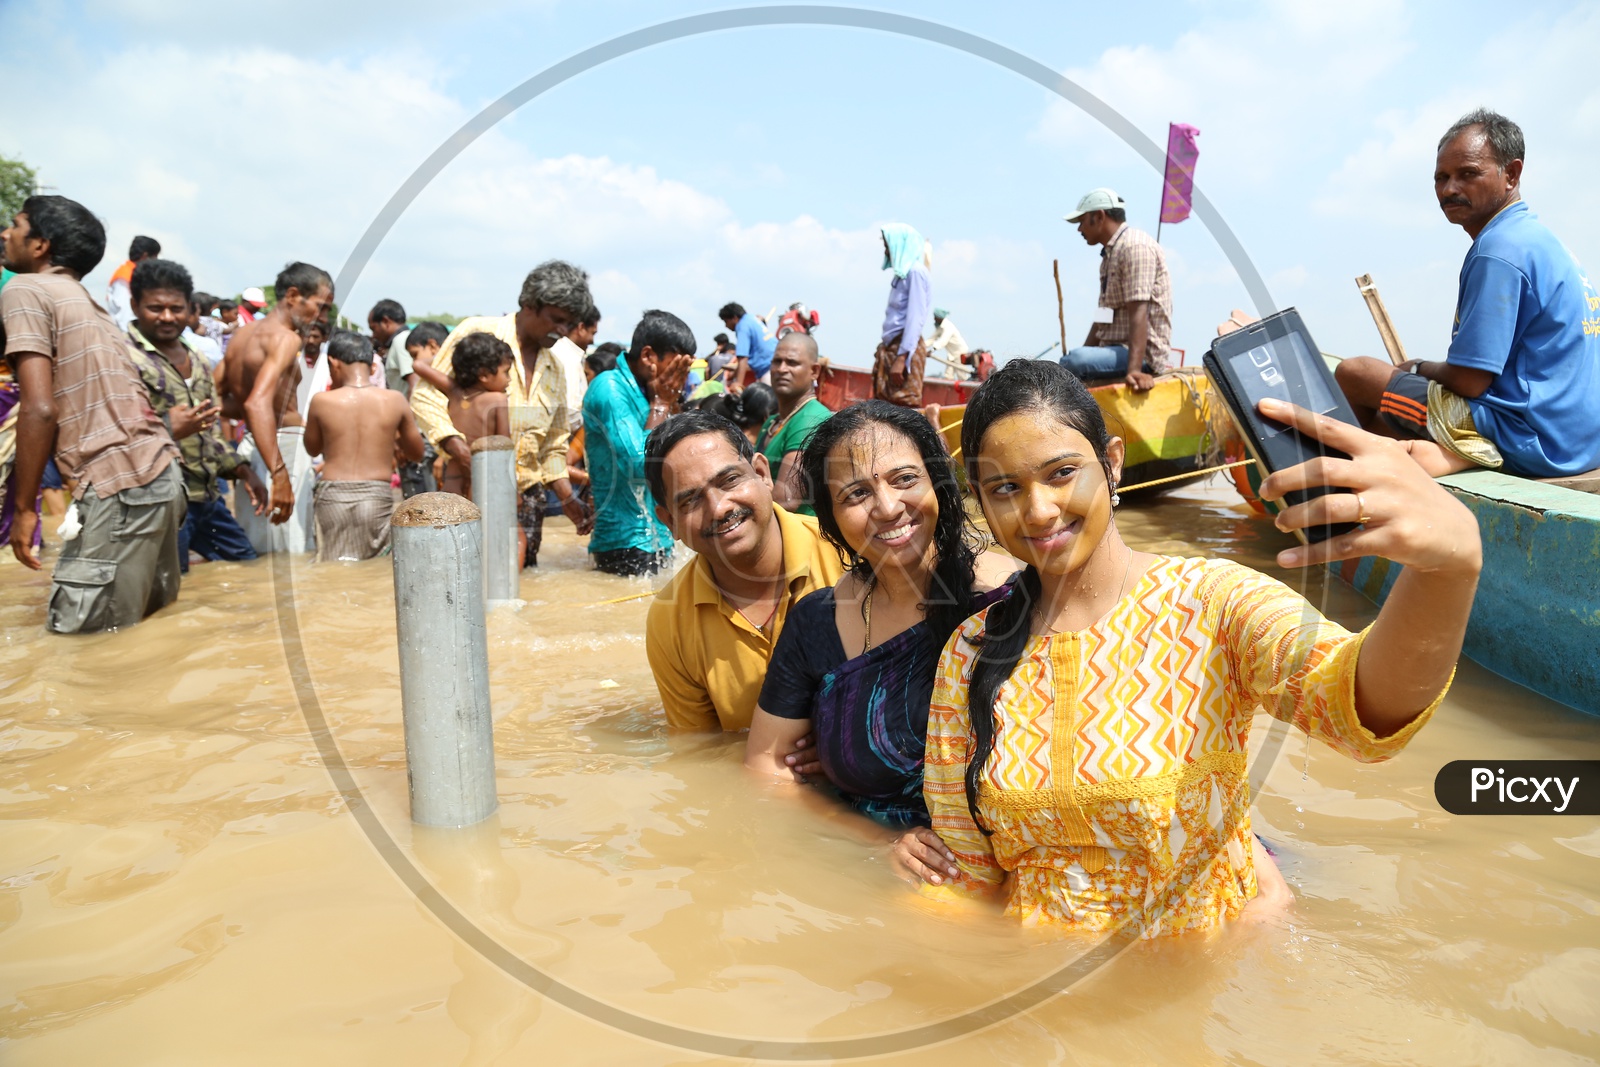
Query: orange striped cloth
[(1117, 790)]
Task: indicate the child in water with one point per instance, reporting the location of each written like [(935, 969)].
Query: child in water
[(354, 427), (478, 405)]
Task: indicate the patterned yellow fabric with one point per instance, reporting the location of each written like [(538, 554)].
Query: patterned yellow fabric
[(1450, 424), (1117, 789)]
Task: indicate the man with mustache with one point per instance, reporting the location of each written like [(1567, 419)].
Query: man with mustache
[(1520, 384), (554, 298), (711, 630)]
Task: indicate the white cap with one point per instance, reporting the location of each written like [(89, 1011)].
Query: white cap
[(254, 295), (1096, 200)]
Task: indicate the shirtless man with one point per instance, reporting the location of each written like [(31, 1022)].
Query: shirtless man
[(354, 427), (260, 373)]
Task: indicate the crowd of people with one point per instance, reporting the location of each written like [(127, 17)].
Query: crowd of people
[(1039, 712)]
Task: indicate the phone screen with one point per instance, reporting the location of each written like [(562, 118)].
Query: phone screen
[(1281, 369)]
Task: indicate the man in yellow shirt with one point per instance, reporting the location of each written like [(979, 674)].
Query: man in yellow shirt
[(712, 629), (554, 297)]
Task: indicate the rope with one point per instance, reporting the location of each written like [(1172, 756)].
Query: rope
[(621, 599), (1187, 474)]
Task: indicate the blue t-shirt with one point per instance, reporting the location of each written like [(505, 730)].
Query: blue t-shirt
[(614, 414), (751, 342), (1527, 313)]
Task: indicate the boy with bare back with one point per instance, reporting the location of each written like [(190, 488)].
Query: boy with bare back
[(477, 404), (257, 382), (355, 427)]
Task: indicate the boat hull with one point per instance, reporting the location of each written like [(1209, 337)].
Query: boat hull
[(1536, 618)]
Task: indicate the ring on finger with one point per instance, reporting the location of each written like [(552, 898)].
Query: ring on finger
[(1362, 518)]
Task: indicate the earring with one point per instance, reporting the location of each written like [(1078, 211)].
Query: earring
[(1116, 497)]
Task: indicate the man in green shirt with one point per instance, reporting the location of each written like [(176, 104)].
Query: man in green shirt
[(795, 367)]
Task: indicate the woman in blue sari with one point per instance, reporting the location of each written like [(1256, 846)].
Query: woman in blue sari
[(855, 664)]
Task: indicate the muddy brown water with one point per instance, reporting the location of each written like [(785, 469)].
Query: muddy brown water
[(182, 883)]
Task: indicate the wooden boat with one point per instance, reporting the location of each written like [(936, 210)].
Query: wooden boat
[(1536, 619), (1167, 430)]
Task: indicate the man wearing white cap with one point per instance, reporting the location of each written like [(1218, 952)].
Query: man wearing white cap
[(251, 304), (1133, 328)]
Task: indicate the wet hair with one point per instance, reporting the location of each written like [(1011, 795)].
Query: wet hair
[(731, 310), (954, 541), (347, 346), (478, 354), (388, 311), (755, 405), (301, 277), (1022, 385), (77, 239), (423, 332), (724, 404), (679, 428), (152, 274), (664, 333), (1503, 136), (604, 357), (144, 247), (556, 283), (591, 318)]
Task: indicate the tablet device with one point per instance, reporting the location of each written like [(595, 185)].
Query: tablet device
[(1276, 358)]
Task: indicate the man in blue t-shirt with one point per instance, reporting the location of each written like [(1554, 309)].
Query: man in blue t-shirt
[(620, 407), (752, 347), (1520, 385)]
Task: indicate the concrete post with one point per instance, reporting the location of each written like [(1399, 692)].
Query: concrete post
[(444, 659), (494, 490)]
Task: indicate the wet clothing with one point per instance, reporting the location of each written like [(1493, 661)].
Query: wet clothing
[(1117, 791), (107, 435), (1527, 313), (211, 530), (708, 659), (630, 562), (297, 534), (204, 455), (530, 520), (124, 563), (352, 519), (614, 414), (869, 714)]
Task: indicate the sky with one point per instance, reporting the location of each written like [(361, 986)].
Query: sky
[(756, 165)]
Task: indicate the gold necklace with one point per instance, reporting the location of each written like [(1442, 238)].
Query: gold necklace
[(866, 616)]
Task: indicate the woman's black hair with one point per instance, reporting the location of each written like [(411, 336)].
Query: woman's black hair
[(603, 358), (949, 595), (756, 404), (1019, 386)]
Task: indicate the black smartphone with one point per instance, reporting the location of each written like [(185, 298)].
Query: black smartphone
[(1275, 358)]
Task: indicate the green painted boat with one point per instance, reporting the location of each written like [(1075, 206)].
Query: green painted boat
[(1536, 619)]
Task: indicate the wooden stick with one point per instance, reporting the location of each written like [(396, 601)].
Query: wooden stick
[(1380, 316), (1061, 309)]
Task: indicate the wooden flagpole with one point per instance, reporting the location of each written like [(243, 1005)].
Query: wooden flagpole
[(1061, 311)]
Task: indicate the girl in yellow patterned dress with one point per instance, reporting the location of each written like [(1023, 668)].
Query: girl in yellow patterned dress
[(1086, 752)]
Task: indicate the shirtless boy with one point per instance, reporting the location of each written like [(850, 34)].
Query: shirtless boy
[(259, 374), (355, 426), (477, 401)]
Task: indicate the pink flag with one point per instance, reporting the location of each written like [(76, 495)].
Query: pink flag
[(1182, 153)]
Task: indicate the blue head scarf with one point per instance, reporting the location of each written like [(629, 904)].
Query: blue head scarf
[(905, 248)]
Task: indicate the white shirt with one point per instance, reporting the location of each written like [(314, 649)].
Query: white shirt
[(571, 357)]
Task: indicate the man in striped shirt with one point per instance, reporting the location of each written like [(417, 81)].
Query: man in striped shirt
[(80, 391)]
